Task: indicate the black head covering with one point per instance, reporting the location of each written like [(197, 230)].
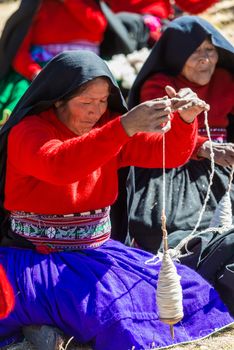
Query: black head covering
[(59, 79), (179, 40), (125, 30), (14, 32)]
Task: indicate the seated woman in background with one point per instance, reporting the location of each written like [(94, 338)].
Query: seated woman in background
[(161, 9), (60, 151), (38, 31), (190, 53)]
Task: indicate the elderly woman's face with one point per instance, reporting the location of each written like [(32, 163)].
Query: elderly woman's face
[(201, 64), (83, 111)]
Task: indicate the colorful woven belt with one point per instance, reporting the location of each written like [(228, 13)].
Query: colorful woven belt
[(217, 134), (63, 232)]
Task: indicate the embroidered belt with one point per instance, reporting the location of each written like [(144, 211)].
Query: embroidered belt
[(217, 134), (63, 232), (44, 53)]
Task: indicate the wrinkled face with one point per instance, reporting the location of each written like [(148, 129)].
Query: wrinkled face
[(201, 64), (83, 111)]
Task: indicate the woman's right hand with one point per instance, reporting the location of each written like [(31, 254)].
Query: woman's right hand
[(187, 103), (149, 116), (223, 152)]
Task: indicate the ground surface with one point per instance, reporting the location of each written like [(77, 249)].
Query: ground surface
[(222, 16)]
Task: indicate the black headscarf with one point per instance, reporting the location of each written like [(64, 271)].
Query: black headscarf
[(125, 31), (180, 39), (59, 79), (14, 32)]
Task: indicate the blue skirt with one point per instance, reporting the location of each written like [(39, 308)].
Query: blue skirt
[(105, 295)]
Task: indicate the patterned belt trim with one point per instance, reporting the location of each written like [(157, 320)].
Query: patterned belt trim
[(63, 232), (217, 134), (44, 53)]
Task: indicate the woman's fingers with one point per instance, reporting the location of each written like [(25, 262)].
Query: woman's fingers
[(170, 91), (158, 103), (194, 103), (149, 116), (223, 153), (186, 93), (185, 104)]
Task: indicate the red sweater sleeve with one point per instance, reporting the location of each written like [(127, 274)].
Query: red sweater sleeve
[(34, 150), (180, 141), (200, 141), (195, 6), (158, 8), (23, 62)]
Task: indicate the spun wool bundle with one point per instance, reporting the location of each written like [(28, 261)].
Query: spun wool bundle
[(169, 295), (223, 213), (126, 67)]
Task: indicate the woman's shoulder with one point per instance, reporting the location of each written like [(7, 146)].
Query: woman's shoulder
[(159, 79), (154, 86), (32, 124), (222, 74)]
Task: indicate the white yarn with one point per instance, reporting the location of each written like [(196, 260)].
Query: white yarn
[(169, 291), (126, 67), (223, 214), (194, 233)]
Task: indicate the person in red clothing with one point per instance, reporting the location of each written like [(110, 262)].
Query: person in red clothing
[(191, 53), (60, 151), (38, 31), (156, 12), (56, 27), (160, 8)]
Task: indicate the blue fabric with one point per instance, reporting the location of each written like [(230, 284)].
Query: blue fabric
[(40, 54), (106, 295)]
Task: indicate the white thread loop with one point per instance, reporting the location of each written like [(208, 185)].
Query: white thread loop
[(194, 233), (223, 213)]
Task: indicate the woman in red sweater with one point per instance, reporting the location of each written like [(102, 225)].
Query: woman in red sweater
[(43, 29), (60, 152), (191, 53)]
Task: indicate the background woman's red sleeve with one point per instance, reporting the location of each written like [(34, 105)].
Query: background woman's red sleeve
[(23, 62), (195, 6), (158, 8)]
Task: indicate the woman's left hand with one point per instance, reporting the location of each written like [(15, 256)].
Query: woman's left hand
[(223, 152), (187, 103)]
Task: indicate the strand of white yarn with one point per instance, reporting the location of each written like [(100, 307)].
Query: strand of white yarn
[(184, 242), (169, 291), (222, 218)]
